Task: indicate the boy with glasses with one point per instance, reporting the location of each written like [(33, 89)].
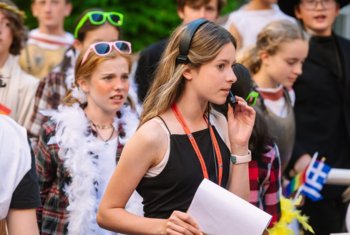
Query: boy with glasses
[(322, 108), (188, 10), (47, 43)]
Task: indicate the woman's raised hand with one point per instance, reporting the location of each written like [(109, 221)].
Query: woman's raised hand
[(241, 120)]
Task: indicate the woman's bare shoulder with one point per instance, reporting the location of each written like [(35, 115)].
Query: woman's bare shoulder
[(150, 135), (151, 130), (149, 141)]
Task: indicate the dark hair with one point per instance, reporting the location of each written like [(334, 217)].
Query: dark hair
[(87, 26), (15, 17), (84, 29), (195, 3), (260, 140)]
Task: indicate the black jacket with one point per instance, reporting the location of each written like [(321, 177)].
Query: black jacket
[(322, 107), (146, 67)]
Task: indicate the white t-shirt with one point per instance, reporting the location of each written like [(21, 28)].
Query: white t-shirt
[(278, 106), (43, 52), (249, 23), (51, 42), (19, 93), (15, 160)]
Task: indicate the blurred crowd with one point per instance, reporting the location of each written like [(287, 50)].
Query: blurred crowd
[(94, 140)]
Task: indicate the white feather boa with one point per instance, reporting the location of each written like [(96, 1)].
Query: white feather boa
[(89, 172)]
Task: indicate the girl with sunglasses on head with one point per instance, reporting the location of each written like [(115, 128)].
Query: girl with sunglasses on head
[(92, 26), (275, 63), (80, 145), (181, 139)]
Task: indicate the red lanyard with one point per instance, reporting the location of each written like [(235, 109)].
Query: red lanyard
[(195, 146)]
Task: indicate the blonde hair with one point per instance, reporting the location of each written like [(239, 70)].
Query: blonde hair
[(3, 230), (169, 82), (85, 70), (269, 41)]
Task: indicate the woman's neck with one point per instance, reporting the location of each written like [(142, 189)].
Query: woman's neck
[(322, 33), (263, 80), (55, 30), (98, 116), (258, 5), (192, 111), (3, 58)]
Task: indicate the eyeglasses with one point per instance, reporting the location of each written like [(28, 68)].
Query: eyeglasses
[(312, 4), (252, 97), (104, 48), (98, 18)]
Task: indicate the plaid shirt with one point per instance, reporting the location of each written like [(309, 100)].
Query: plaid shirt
[(53, 178), (52, 216), (50, 93), (265, 184)]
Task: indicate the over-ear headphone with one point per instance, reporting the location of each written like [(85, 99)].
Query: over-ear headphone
[(186, 40)]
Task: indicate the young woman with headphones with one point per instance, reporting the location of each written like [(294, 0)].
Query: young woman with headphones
[(181, 139)]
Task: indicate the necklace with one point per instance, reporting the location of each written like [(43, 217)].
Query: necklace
[(99, 134), (102, 127)]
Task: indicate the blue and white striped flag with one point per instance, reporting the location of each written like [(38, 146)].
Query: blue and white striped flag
[(316, 176)]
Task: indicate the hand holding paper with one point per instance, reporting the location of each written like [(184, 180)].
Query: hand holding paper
[(220, 212)]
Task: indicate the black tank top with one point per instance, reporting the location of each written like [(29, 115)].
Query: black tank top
[(174, 188)]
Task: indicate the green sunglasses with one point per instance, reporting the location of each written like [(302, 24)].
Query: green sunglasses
[(100, 17)]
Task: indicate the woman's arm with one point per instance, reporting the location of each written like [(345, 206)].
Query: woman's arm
[(22, 222), (240, 125), (144, 150)]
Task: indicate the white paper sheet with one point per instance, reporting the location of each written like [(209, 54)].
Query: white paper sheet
[(220, 212), (338, 176)]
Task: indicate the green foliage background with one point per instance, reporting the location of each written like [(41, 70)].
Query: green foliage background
[(146, 21)]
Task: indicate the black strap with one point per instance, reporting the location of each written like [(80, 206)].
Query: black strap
[(164, 124), (186, 40)]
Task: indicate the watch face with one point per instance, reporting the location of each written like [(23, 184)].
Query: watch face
[(241, 159), (233, 159)]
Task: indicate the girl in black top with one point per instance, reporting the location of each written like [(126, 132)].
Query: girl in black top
[(163, 162)]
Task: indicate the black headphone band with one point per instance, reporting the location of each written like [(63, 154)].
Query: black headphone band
[(186, 40)]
